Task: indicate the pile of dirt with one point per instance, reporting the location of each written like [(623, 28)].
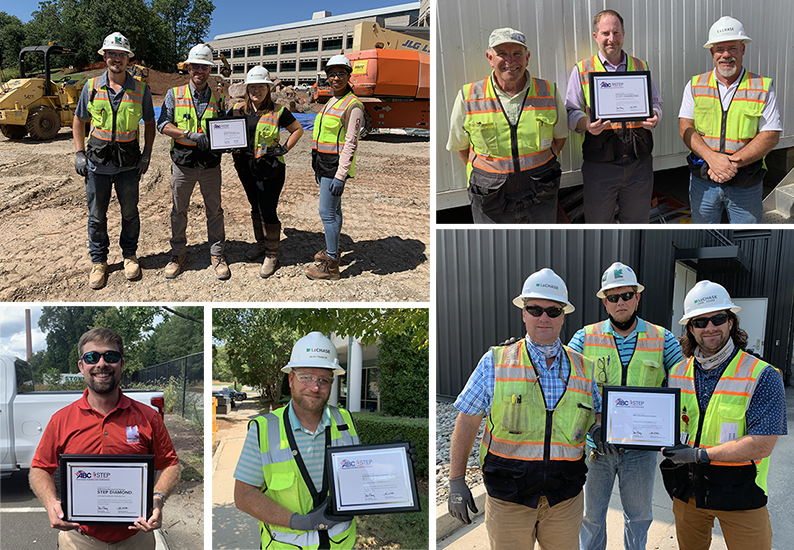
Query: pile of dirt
[(160, 83), (287, 96)]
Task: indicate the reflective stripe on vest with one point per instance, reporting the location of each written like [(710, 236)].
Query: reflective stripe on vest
[(128, 116), (185, 117), (492, 148), (646, 364), (593, 64), (729, 134), (727, 406), (515, 375), (328, 135), (267, 130)]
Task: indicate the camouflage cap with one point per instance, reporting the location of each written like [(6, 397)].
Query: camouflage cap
[(506, 36)]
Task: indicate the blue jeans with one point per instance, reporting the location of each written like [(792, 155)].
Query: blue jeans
[(97, 190), (707, 199), (636, 471), (331, 215)]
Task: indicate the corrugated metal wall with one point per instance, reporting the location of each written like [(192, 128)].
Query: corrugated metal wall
[(479, 272), (669, 34)]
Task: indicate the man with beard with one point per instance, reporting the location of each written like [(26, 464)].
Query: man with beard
[(114, 103), (280, 477), (627, 351), (730, 121), (733, 408), (104, 422)]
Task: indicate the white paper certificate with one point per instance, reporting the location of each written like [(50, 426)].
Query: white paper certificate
[(619, 97), (228, 133), (641, 417)]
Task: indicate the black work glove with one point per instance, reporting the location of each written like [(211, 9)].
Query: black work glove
[(602, 447), (143, 162), (411, 450), (276, 150), (684, 454), (317, 519), (337, 187), (201, 140), (510, 341), (81, 163), (460, 500)]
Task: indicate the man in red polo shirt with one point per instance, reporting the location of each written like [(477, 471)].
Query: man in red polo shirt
[(104, 421)]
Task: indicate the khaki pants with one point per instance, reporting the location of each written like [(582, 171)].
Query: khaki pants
[(743, 529), (77, 540), (511, 526), (183, 181)]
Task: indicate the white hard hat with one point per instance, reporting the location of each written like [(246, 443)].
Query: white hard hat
[(258, 75), (315, 350), (117, 42), (726, 29), (544, 285), (706, 297), (201, 54), (339, 61), (616, 276)]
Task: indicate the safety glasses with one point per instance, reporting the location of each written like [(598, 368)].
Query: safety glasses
[(120, 55), (716, 320), (537, 311), (200, 67), (92, 357), (309, 379), (613, 298)]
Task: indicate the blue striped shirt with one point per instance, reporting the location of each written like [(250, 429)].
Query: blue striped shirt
[(476, 397)]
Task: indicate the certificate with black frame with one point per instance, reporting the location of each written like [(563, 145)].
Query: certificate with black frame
[(621, 97), (227, 133), (371, 479), (641, 418), (106, 489)]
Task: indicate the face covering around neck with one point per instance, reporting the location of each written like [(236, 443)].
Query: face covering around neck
[(551, 350), (708, 363), (626, 325)]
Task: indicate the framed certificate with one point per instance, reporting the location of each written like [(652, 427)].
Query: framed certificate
[(641, 418), (621, 97), (106, 489), (228, 133), (371, 479)]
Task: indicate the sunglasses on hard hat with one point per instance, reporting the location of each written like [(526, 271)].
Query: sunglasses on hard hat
[(537, 311), (716, 320), (613, 298), (92, 357)]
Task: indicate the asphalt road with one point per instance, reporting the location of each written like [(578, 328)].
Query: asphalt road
[(23, 521)]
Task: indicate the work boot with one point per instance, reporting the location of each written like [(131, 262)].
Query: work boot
[(259, 247), (272, 241), (98, 276), (132, 268), (327, 269), (221, 268), (174, 267), (323, 254)]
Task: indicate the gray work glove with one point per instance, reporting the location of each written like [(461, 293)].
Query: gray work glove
[(201, 140), (81, 163), (602, 447), (411, 450), (317, 519), (684, 454), (460, 500), (276, 150), (337, 187), (510, 341), (143, 162)]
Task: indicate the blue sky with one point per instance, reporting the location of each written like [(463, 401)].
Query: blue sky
[(246, 14), (12, 330)]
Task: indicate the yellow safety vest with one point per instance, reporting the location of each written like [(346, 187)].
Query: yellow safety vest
[(267, 130), (185, 152), (646, 365), (328, 137), (120, 127)]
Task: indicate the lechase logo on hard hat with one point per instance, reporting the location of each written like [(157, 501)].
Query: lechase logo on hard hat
[(726, 29), (317, 350), (547, 285), (706, 299)]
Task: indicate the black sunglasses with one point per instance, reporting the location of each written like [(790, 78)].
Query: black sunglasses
[(613, 298), (717, 320), (537, 311), (92, 357)]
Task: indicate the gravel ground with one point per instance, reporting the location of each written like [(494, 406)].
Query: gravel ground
[(445, 423)]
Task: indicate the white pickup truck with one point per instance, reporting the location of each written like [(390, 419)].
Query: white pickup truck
[(24, 413)]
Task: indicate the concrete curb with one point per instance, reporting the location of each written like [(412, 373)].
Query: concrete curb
[(446, 524)]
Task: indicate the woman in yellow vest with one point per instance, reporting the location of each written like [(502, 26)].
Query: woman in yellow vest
[(334, 144), (261, 166)]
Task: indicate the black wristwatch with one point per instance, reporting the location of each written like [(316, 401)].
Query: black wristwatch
[(703, 456)]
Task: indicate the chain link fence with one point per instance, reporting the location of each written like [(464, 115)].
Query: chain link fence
[(182, 381)]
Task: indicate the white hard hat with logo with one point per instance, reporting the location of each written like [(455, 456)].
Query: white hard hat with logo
[(200, 54), (706, 297), (339, 61), (544, 285), (258, 75), (616, 276), (116, 42), (315, 350), (726, 29)]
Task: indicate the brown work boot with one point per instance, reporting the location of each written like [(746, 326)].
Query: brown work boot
[(323, 254), (272, 241), (327, 269), (258, 248), (98, 276), (221, 268), (132, 268), (174, 267)]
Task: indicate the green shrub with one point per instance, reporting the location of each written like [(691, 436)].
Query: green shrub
[(378, 428), (402, 376)]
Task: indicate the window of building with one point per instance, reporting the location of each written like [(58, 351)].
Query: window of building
[(369, 388), (214, 69), (238, 68), (332, 43), (308, 65), (227, 53), (289, 47), (239, 52), (254, 51), (270, 49), (349, 41), (311, 45), (288, 66), (271, 66)]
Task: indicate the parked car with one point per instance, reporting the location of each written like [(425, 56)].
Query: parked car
[(234, 394), (223, 397)]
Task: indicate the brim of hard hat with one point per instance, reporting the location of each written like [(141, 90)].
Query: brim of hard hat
[(345, 67), (601, 294), (268, 82), (199, 62), (709, 45), (338, 371), (103, 50), (685, 319), (518, 301)]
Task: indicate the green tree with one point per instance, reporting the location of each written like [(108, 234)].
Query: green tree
[(220, 364), (12, 37), (185, 24), (176, 336), (403, 376)]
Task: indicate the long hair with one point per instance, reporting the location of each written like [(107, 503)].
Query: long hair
[(267, 104), (688, 342), (99, 334)]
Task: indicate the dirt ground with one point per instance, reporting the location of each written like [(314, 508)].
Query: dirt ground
[(385, 237), (183, 515)]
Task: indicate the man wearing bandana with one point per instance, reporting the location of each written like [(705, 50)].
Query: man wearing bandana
[(733, 408), (539, 399), (627, 351)]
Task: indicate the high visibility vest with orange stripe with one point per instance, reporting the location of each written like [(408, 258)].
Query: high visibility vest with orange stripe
[(646, 365), (267, 130), (185, 152), (515, 375), (125, 120), (492, 148), (593, 64), (726, 412), (328, 136), (741, 124)]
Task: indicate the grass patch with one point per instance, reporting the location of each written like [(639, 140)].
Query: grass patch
[(193, 467), (404, 531)]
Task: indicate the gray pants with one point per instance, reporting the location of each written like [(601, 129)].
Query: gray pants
[(630, 184), (183, 180)]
